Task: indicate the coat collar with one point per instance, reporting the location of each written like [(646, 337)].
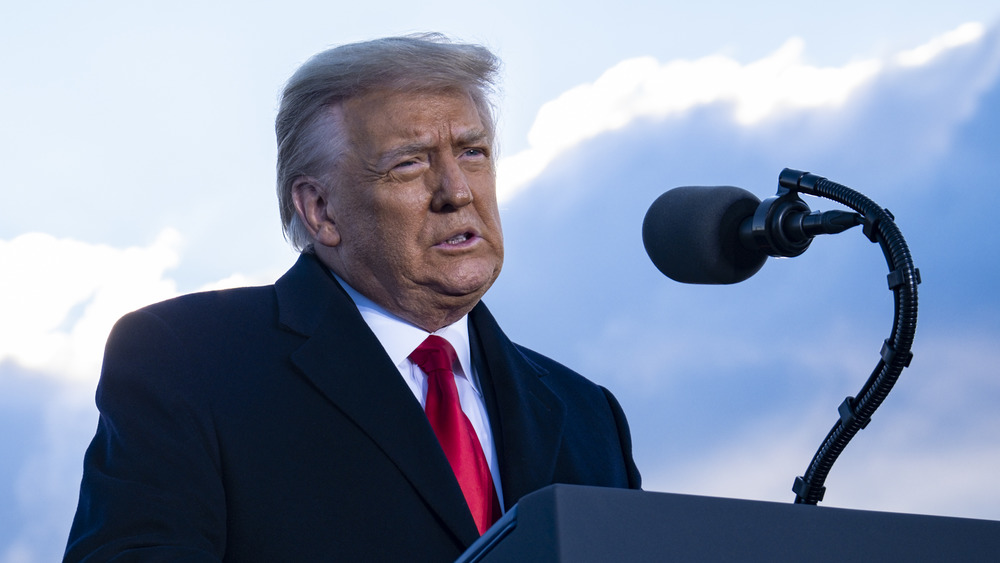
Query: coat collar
[(346, 363), (527, 417)]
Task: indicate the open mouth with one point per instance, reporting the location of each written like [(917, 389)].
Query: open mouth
[(458, 239)]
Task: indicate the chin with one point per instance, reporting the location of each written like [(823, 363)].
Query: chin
[(470, 284)]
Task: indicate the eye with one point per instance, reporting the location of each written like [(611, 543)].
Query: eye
[(475, 152), (405, 170)]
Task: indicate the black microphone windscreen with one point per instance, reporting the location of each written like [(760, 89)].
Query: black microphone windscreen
[(692, 235)]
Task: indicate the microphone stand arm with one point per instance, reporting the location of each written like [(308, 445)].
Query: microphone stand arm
[(855, 412)]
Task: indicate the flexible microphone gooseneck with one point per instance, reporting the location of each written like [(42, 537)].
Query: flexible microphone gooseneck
[(724, 234)]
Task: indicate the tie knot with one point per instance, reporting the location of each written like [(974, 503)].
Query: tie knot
[(434, 355)]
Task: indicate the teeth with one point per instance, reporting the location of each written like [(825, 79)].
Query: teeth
[(458, 239)]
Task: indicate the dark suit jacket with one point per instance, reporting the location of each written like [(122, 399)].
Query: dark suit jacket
[(268, 424)]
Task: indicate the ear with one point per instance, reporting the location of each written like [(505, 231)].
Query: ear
[(312, 204)]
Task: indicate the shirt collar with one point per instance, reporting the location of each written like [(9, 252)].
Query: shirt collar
[(399, 338)]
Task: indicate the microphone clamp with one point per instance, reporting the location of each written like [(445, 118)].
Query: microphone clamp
[(783, 225)]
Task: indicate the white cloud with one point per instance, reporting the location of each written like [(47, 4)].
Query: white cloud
[(644, 88), (61, 297), (59, 301), (964, 34)]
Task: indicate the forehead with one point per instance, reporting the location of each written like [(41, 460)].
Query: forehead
[(382, 119)]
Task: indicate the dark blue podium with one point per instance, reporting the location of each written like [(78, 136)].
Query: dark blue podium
[(569, 523)]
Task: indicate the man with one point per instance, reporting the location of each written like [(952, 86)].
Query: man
[(288, 423)]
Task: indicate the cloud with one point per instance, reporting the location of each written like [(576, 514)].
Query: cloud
[(643, 88), (962, 35), (62, 296), (730, 390)]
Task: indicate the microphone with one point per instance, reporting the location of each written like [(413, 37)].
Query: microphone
[(724, 234)]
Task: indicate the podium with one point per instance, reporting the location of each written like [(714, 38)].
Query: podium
[(571, 523)]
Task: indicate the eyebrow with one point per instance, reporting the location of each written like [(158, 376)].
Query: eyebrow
[(472, 137)]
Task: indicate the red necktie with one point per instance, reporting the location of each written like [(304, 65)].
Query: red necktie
[(458, 439)]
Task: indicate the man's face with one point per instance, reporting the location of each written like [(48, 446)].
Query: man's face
[(414, 210)]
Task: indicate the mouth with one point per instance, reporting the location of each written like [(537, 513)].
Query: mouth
[(459, 240)]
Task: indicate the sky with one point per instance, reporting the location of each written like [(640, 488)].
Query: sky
[(137, 163)]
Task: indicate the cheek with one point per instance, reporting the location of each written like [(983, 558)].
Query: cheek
[(485, 199), (391, 236), (490, 214)]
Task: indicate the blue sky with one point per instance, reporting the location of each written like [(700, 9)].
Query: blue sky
[(136, 162)]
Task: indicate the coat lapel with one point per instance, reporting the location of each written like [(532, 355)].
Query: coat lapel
[(526, 416), (348, 365)]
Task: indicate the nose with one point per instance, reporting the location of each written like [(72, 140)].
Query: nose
[(451, 190)]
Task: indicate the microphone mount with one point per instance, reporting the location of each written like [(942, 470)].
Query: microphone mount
[(783, 226), (879, 226), (724, 234)]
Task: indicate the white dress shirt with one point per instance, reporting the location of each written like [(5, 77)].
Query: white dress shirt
[(400, 338)]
